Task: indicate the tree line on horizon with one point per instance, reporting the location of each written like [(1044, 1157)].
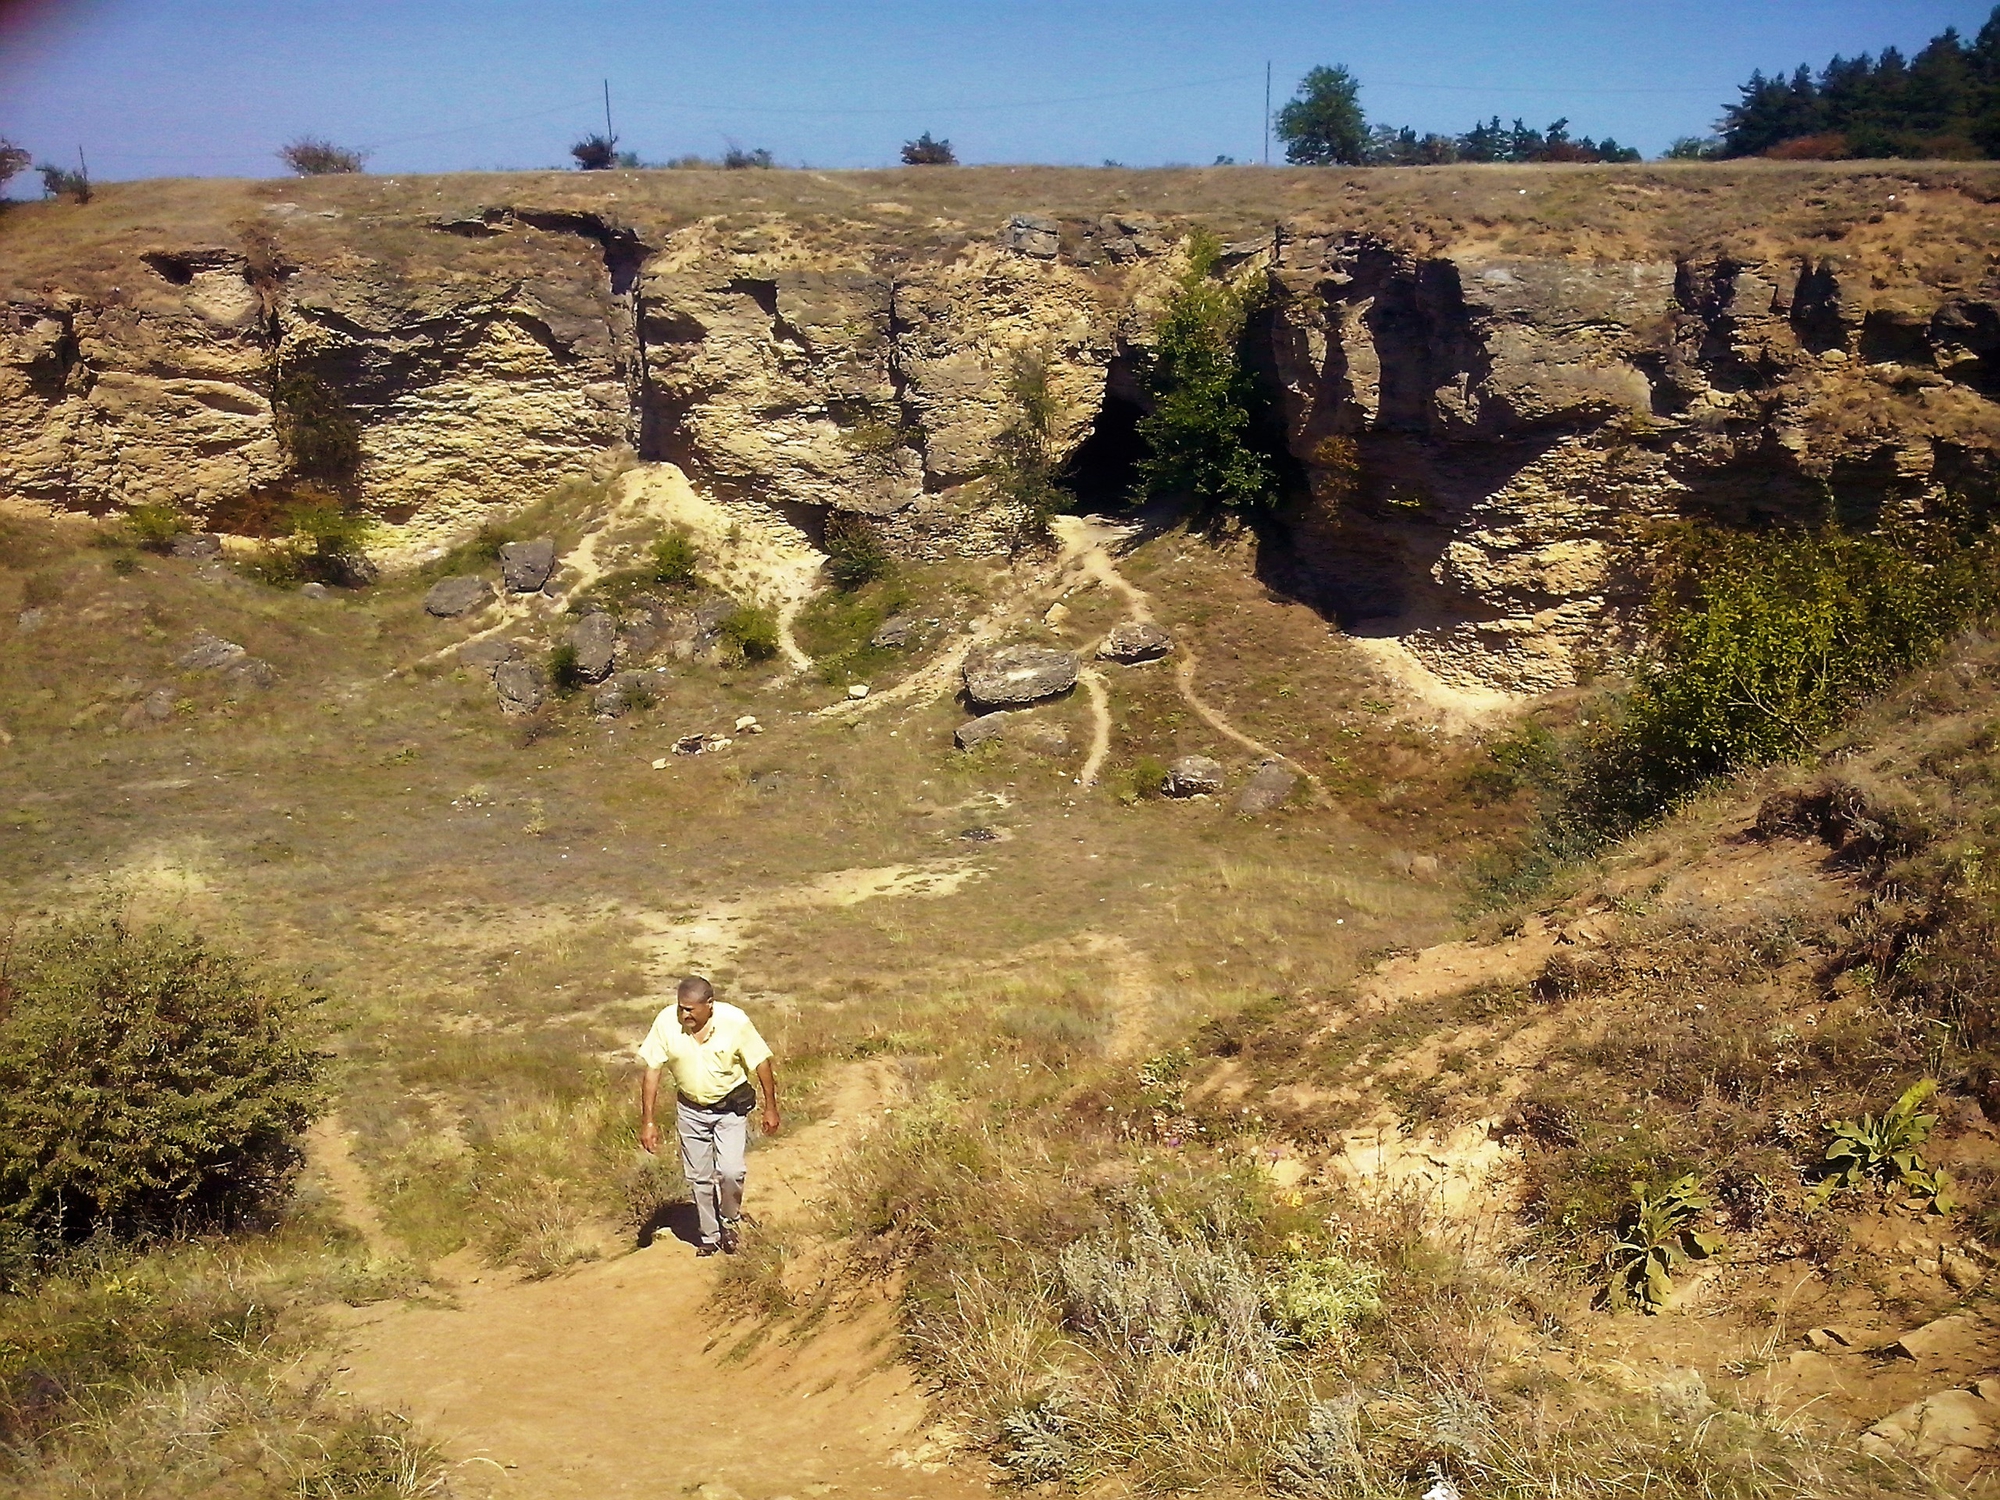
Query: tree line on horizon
[(1944, 102)]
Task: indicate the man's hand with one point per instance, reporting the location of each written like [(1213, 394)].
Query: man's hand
[(649, 1137), (772, 1124)]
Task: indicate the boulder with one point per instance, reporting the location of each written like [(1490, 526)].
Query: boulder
[(1270, 786), (1008, 676), (315, 591), (983, 731), (594, 638), (197, 544), (1135, 640), (1032, 235), (1953, 1430), (526, 565), (894, 634), (522, 685), (208, 653), (250, 672), (624, 691), (486, 654), (159, 705), (1051, 740), (458, 595), (1192, 776), (1935, 1340)]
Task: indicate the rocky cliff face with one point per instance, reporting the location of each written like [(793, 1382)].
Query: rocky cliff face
[(1484, 413)]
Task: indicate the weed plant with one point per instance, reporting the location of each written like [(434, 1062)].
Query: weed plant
[(854, 550)]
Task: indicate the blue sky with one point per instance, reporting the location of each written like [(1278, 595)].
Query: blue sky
[(211, 87)]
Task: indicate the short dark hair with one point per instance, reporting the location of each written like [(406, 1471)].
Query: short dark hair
[(695, 988)]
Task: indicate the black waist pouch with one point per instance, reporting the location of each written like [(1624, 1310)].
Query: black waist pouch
[(739, 1100)]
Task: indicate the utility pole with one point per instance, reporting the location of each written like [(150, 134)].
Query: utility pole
[(82, 167), (1267, 114), (608, 136)]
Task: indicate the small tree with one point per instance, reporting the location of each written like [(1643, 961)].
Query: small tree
[(675, 561), (12, 159), (314, 156), (318, 432), (925, 152), (1025, 461), (1198, 432), (59, 182), (737, 159), (854, 550), (1324, 125), (596, 153)]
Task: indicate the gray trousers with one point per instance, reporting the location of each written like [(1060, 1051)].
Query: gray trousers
[(712, 1142)]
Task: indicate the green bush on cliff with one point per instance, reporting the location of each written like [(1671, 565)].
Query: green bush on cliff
[(149, 1081), (1200, 431), (1764, 644)]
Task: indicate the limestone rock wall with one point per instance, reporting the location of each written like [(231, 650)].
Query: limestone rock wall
[(1480, 436)]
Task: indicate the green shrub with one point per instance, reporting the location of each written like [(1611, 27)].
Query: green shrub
[(320, 434), (1888, 1151), (564, 671), (854, 550), (1765, 644), (675, 560), (322, 539), (1144, 778), (1199, 432), (148, 1081), (314, 156), (153, 527), (752, 632), (925, 152)]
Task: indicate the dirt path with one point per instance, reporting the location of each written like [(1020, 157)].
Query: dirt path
[(616, 1379), (1087, 544)]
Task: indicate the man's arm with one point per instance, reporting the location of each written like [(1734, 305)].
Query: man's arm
[(649, 1096), (767, 1079)]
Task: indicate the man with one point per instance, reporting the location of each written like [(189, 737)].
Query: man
[(714, 1052)]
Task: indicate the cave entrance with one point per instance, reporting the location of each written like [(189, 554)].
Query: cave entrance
[(1103, 471)]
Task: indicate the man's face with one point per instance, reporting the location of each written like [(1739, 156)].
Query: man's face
[(694, 1014)]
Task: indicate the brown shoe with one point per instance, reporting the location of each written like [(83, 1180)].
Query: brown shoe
[(730, 1244)]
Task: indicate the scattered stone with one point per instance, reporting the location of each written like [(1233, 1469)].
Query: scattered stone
[(526, 565), (1683, 1395), (894, 634), (857, 690), (660, 764), (208, 653), (1135, 641), (1192, 776), (31, 619), (522, 685), (976, 732), (701, 744), (251, 671), (1933, 1339), (1954, 1430), (1032, 235), (1007, 676), (1829, 1340), (451, 597), (1051, 740), (594, 638), (624, 691), (197, 544), (978, 835), (313, 591), (486, 654), (1270, 786), (1961, 1272), (748, 725)]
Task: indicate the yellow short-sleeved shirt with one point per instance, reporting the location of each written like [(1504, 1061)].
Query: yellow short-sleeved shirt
[(705, 1071)]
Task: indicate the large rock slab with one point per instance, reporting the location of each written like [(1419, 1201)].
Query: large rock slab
[(1032, 235), (1135, 641), (594, 638), (1953, 1430), (522, 685), (1193, 776), (1009, 676), (486, 655), (526, 565), (458, 595), (1270, 786)]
